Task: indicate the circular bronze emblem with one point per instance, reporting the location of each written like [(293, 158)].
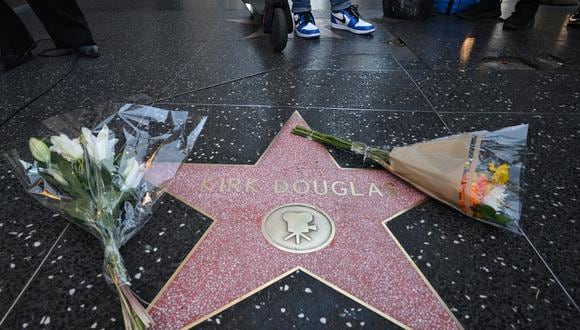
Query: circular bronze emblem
[(298, 228)]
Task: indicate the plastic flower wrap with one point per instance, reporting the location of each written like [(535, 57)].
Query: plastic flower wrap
[(96, 180), (478, 173)]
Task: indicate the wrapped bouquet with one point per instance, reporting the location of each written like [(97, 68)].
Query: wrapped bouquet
[(96, 180), (477, 173)]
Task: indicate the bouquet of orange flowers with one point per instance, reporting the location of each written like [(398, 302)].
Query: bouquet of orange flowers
[(478, 173)]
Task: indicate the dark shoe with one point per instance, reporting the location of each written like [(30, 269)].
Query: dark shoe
[(9, 62), (88, 51), (520, 20), (574, 20), (483, 9), (559, 2)]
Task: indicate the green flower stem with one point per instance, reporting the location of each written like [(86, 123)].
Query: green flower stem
[(134, 315), (114, 263), (381, 156)]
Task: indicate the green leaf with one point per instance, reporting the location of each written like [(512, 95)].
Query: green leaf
[(106, 176), (75, 186), (78, 211), (486, 212), (503, 219)]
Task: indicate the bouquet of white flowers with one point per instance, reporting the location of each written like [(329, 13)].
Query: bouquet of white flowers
[(96, 180)]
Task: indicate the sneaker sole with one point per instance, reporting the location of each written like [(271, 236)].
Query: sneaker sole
[(344, 27), (518, 27), (307, 36)]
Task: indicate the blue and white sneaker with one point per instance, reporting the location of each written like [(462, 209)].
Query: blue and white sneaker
[(349, 19), (305, 26)]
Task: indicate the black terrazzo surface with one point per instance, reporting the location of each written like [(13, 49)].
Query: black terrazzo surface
[(316, 88), (487, 277), (69, 289), (28, 231), (297, 301), (411, 81), (511, 91)]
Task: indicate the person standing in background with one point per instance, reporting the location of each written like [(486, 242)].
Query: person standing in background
[(574, 20), (64, 21), (522, 18), (343, 16)]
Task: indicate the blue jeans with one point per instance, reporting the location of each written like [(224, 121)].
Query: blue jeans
[(300, 6)]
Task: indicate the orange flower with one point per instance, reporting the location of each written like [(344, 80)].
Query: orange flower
[(479, 187)]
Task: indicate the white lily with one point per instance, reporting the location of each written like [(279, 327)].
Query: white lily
[(70, 150), (100, 148), (132, 173)]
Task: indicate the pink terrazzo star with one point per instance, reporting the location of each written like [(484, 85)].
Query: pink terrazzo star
[(234, 258)]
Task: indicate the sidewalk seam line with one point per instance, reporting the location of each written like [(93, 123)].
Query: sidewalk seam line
[(556, 278), (423, 95), (33, 275)]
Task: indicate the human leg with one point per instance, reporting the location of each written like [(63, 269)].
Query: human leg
[(524, 15), (574, 20), (64, 21), (14, 37)]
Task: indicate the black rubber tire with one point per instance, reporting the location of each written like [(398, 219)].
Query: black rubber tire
[(279, 36)]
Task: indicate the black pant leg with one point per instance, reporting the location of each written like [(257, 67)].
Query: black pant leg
[(528, 5), (64, 21), (14, 37)]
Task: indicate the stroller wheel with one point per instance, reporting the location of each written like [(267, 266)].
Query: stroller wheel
[(279, 36)]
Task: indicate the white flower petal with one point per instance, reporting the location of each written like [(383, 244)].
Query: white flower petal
[(132, 173), (70, 150), (90, 142), (495, 197), (101, 149)]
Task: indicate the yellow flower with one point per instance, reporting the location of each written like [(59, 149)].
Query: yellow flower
[(501, 174)]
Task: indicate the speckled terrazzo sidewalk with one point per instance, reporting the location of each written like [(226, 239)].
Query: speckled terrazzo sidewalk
[(427, 267)]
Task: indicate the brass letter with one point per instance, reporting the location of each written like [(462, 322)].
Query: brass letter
[(205, 185), (390, 187), (277, 188), (315, 183), (235, 184), (354, 193), (374, 189), (249, 183), (222, 184), (343, 191), (295, 187)]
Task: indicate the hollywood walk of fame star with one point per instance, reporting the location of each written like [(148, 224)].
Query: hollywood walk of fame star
[(234, 258)]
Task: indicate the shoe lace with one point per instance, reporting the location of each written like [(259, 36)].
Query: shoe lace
[(306, 18), (353, 10)]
